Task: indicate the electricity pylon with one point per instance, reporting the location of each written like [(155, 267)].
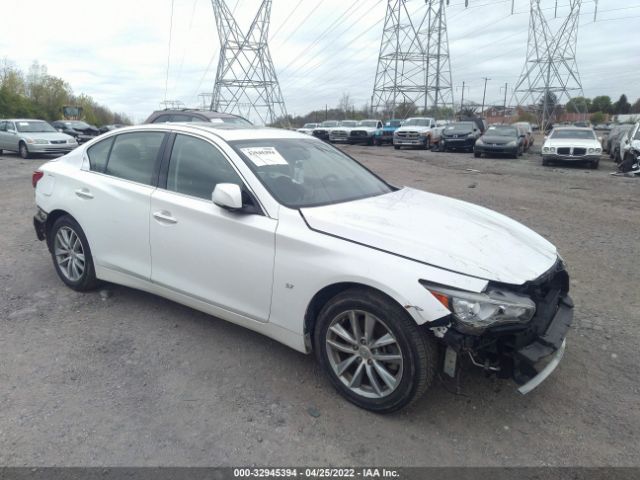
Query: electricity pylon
[(246, 82), (550, 75), (413, 64)]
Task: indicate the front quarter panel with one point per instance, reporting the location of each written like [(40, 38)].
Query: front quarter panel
[(307, 261)]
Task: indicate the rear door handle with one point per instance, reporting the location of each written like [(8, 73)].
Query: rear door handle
[(84, 193), (165, 217)]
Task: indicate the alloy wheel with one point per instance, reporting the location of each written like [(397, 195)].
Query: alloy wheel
[(364, 354), (69, 254)]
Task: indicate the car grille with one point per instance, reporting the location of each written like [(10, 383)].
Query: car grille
[(564, 151), (387, 133), (358, 133), (319, 133), (408, 135), (340, 134), (579, 151), (58, 142)]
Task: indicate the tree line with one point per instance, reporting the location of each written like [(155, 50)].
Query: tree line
[(37, 94)]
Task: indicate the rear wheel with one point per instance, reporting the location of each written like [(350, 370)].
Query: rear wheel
[(397, 147), (71, 254), (594, 165), (477, 154), (373, 352), (545, 162), (427, 143), (23, 150)]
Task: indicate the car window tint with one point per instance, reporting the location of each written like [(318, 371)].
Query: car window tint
[(196, 167), (133, 156), (3, 126), (162, 119), (98, 155)]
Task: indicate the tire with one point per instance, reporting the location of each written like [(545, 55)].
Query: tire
[(66, 229), (410, 353), (545, 162), (378, 143), (0, 151), (397, 147), (23, 151), (594, 165), (477, 154), (427, 144)]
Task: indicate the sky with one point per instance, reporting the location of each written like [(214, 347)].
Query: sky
[(132, 54)]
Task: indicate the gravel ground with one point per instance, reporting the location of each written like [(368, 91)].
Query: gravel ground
[(126, 378)]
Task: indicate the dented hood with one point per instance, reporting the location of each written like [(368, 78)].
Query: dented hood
[(439, 231)]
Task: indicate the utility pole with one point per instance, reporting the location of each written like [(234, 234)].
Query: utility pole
[(246, 81), (504, 107), (550, 74), (413, 63), (462, 101), (484, 95)]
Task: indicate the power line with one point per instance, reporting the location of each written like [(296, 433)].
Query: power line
[(166, 81), (286, 20)]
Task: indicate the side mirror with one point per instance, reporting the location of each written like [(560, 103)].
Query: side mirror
[(227, 196)]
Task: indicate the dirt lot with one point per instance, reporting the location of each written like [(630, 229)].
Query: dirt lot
[(137, 380)]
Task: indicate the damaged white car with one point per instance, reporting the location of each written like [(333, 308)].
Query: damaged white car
[(286, 235)]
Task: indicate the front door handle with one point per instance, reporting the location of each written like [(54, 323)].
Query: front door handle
[(84, 193), (165, 217)]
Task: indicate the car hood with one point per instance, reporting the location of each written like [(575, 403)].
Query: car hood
[(439, 231), (364, 129), (46, 136), (446, 132), (413, 128), (500, 140), (572, 142)]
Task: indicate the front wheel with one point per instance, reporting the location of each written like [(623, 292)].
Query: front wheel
[(427, 144), (23, 150), (71, 255), (397, 147), (477, 154), (373, 352)]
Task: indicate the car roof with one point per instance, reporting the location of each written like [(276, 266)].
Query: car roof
[(22, 120), (227, 132), (572, 127), (204, 113)]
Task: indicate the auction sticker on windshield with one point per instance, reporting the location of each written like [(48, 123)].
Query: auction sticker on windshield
[(263, 156)]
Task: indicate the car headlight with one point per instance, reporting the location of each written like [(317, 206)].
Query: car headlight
[(474, 312), (480, 141), (72, 140), (552, 149), (513, 143), (598, 150), (545, 149)]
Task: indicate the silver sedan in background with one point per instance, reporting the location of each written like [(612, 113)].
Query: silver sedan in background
[(29, 136)]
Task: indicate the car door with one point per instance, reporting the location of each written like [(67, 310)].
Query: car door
[(112, 197), (201, 250), (11, 137), (3, 133)]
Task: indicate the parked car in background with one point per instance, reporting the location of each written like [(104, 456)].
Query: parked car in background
[(27, 136), (583, 124), (416, 132), (364, 132), (501, 140), (108, 128), (307, 128), (528, 130), (341, 133), (194, 115), (81, 131), (572, 144), (621, 144), (323, 130), (614, 133), (631, 151), (280, 233), (460, 136), (384, 135)]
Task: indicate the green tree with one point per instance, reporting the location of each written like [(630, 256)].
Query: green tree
[(578, 105), (601, 104), (635, 108), (598, 117), (622, 106)]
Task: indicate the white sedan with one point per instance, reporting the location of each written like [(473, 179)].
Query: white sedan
[(572, 144), (286, 235)]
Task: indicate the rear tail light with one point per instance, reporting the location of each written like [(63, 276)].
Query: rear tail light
[(36, 177)]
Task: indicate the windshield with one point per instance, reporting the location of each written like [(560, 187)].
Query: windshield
[(502, 132), (368, 123), (231, 121), (329, 123), (348, 123), (77, 124), (34, 127), (305, 173), (393, 123), (418, 122), (460, 127), (310, 125), (573, 134)]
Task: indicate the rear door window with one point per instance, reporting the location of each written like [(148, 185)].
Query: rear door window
[(98, 155), (134, 156)]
